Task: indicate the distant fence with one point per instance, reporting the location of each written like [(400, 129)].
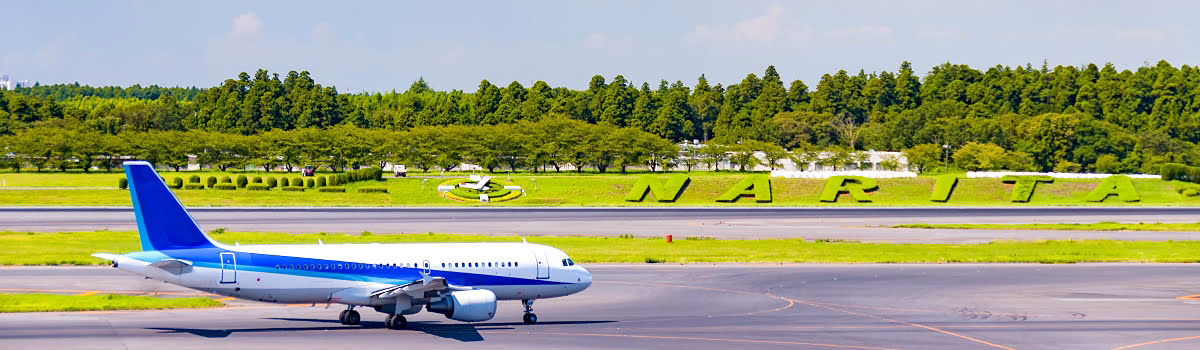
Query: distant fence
[(793, 174), (999, 174)]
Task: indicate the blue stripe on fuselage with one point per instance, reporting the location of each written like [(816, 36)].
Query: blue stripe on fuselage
[(210, 258)]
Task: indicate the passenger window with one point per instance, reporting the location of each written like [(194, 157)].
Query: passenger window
[(489, 264)]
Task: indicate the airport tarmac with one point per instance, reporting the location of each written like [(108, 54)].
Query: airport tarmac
[(859, 223), (834, 306)]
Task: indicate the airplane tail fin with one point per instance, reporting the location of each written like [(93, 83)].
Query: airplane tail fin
[(163, 223)]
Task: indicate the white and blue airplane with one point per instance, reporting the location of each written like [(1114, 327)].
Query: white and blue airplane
[(462, 281)]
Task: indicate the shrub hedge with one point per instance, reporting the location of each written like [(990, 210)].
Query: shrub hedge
[(177, 183), (309, 182), (284, 182), (211, 181), (320, 182), (195, 186), (256, 180), (294, 189), (258, 187), (1180, 172), (225, 186), (242, 181), (332, 189), (372, 190), (226, 179), (122, 183), (272, 182), (195, 179)]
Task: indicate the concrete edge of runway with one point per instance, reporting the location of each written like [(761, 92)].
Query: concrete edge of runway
[(660, 208)]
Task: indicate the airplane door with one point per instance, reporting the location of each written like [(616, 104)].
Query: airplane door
[(543, 267), (228, 268), (425, 269)]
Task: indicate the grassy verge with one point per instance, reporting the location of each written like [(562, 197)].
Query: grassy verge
[(73, 248), (1099, 226), (603, 190), (59, 302)]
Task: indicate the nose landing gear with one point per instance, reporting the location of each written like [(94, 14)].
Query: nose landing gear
[(530, 317)]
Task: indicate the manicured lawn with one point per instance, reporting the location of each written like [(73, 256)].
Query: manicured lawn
[(73, 248), (1100, 226), (591, 190), (59, 302)]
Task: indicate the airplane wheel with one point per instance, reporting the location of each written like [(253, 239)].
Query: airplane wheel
[(530, 318), (396, 322), (352, 318), (342, 317)]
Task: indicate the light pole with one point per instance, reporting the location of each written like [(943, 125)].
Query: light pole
[(946, 157)]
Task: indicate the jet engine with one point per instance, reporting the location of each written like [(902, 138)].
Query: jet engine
[(467, 306)]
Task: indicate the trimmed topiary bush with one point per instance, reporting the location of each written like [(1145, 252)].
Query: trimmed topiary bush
[(332, 189), (242, 181), (256, 180), (320, 182), (272, 182), (376, 173), (284, 182), (294, 189), (1189, 192), (372, 190), (195, 186), (226, 179), (225, 187), (123, 183), (177, 183), (258, 187), (211, 181), (195, 179)]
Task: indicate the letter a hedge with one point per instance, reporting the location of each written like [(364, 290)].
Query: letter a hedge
[(1025, 185), (666, 194), (1119, 185), (758, 186), (856, 186)]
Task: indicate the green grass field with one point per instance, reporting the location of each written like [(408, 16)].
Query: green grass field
[(551, 189), (1100, 226), (96, 302), (25, 248)]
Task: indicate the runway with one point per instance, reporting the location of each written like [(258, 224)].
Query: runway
[(862, 224), (1012, 306)]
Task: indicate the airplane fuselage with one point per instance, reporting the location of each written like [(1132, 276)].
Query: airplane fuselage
[(316, 273)]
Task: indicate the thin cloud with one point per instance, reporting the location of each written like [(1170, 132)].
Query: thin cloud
[(860, 32), (765, 29), (246, 24)]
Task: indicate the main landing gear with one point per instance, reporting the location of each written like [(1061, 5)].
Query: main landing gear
[(530, 317), (396, 322), (349, 317)]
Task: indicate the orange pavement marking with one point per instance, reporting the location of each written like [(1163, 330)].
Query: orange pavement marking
[(1155, 342), (818, 305), (1189, 297), (734, 340), (226, 299)]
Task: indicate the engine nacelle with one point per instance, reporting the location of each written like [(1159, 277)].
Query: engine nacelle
[(467, 306)]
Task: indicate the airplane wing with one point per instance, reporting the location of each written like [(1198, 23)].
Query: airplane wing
[(417, 289)]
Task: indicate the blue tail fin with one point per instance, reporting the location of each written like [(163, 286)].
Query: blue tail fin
[(162, 221)]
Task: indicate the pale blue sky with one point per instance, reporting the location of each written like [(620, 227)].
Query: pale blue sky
[(385, 45)]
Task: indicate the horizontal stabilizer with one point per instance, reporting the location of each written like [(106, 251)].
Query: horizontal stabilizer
[(107, 256), (171, 263)]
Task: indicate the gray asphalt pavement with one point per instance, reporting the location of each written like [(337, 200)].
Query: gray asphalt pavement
[(863, 224), (1011, 306)]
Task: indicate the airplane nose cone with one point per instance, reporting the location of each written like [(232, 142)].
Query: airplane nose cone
[(585, 279)]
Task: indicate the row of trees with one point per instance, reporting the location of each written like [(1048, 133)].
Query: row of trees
[(552, 143), (1057, 116)]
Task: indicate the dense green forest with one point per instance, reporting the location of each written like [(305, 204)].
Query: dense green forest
[(1062, 117)]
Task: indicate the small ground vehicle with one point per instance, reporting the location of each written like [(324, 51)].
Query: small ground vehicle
[(400, 171), (308, 170)]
